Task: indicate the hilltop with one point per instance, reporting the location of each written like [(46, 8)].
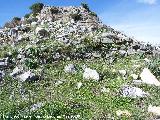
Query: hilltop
[(63, 62)]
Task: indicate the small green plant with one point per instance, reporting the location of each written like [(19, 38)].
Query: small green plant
[(154, 66), (31, 63)]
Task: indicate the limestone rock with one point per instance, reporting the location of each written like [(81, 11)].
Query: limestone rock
[(122, 72), (70, 68), (15, 72), (27, 76), (154, 109), (133, 92), (36, 106), (123, 112), (79, 85), (134, 76), (148, 78), (3, 63), (91, 74)]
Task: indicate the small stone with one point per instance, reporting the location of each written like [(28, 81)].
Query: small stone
[(122, 53), (133, 92), (148, 78), (59, 82), (105, 90), (122, 72), (70, 68), (147, 60), (91, 74), (79, 85), (36, 106), (134, 76), (123, 113)]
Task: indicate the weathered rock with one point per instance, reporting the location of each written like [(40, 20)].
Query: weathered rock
[(79, 85), (105, 90), (3, 63), (16, 71), (154, 109), (27, 76), (70, 68), (122, 72), (123, 113), (107, 41), (36, 106), (123, 53), (148, 78), (133, 92), (134, 76), (91, 74)]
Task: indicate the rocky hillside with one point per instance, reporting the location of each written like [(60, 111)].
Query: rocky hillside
[(64, 63)]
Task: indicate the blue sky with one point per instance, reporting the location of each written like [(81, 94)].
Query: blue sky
[(138, 18)]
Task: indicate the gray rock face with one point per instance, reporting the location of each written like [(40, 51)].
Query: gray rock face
[(133, 92)]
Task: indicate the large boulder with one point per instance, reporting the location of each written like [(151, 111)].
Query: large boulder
[(148, 78)]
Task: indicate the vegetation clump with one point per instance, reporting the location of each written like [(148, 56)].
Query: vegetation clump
[(36, 8)]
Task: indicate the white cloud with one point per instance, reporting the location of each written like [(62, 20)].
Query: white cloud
[(151, 2)]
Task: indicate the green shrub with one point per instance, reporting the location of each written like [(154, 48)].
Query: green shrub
[(84, 5), (31, 63), (54, 10), (36, 8), (93, 14), (27, 15), (76, 17)]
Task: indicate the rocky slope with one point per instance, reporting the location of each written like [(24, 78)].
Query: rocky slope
[(65, 63)]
